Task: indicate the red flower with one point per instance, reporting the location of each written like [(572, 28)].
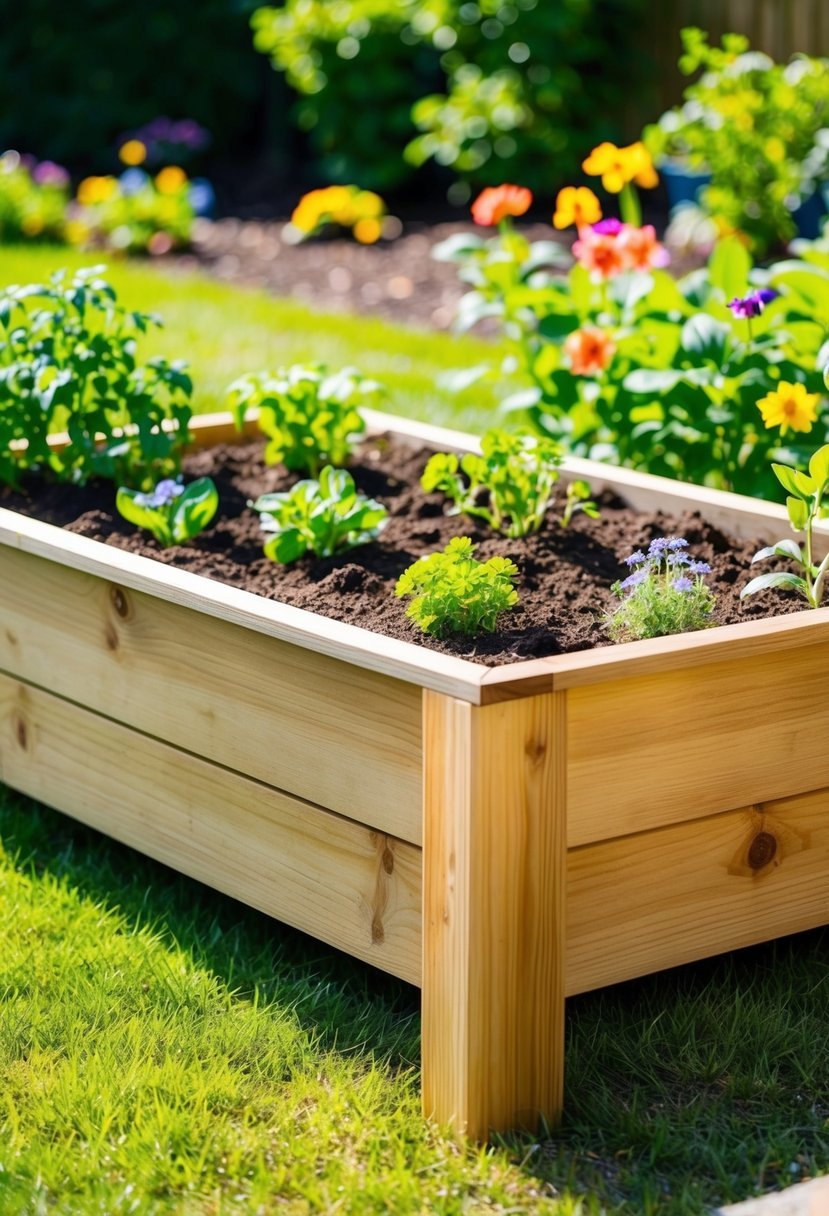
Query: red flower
[(497, 202)]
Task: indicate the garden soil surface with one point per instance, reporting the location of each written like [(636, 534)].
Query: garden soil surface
[(565, 575)]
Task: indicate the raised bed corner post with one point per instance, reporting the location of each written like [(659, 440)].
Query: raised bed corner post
[(494, 874)]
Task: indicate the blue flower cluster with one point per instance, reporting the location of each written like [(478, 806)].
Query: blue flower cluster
[(165, 493), (666, 558)]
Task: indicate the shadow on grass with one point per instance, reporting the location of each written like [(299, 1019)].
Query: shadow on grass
[(686, 1089)]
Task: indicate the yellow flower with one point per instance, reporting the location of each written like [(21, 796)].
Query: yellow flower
[(619, 166), (32, 224), (367, 231), (94, 190), (370, 205), (170, 180), (133, 152), (775, 150), (576, 205), (790, 407)]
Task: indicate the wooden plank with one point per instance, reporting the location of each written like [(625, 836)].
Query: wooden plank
[(670, 896), (336, 734), (493, 915), (340, 882), (356, 889), (663, 748)]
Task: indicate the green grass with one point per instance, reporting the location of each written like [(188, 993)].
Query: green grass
[(163, 1049), (224, 331)]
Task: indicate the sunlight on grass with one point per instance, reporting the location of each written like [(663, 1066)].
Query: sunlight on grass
[(224, 331)]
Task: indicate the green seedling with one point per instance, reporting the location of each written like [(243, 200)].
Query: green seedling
[(174, 513), (322, 517), (455, 593)]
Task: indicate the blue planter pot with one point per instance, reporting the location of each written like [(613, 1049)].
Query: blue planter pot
[(683, 185)]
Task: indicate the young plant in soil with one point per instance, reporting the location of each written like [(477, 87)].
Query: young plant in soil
[(323, 517), (68, 362), (172, 512), (805, 504), (510, 485), (664, 594), (455, 593), (311, 416)]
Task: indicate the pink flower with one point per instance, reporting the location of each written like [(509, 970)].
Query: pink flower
[(600, 253), (610, 247), (642, 250)]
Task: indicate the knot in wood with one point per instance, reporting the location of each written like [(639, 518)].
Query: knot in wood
[(535, 749), (388, 860), (119, 601), (22, 733), (762, 850)]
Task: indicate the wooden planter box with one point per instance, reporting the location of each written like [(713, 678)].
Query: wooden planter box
[(501, 837)]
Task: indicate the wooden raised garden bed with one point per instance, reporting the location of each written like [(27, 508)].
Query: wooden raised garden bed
[(502, 837)]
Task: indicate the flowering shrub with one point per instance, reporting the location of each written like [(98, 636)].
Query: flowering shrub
[(324, 517), (509, 485), (806, 503), (134, 213), (310, 415), (33, 198), (759, 129), (664, 593), (360, 211), (455, 593), (68, 362), (173, 512), (626, 364)]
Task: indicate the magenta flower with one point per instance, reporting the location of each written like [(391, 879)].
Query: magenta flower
[(609, 227), (753, 304)]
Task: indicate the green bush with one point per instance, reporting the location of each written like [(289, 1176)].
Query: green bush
[(74, 77), (499, 90)]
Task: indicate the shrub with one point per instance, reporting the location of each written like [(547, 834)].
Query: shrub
[(67, 361), (33, 199), (135, 213)]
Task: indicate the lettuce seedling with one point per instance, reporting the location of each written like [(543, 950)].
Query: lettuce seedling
[(455, 593), (806, 504), (323, 517), (509, 485), (174, 513), (311, 417), (664, 593)]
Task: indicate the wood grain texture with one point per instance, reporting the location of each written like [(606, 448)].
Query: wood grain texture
[(340, 736), (493, 916), (670, 896), (659, 749), (356, 889)]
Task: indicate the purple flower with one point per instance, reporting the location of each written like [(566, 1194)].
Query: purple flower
[(47, 173), (676, 542), (657, 547), (682, 584), (608, 227), (635, 559), (165, 492), (699, 568), (753, 304), (678, 559), (633, 580)]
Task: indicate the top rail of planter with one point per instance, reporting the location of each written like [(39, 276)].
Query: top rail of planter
[(415, 664)]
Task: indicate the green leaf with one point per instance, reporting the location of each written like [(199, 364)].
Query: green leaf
[(798, 513), (783, 548), (778, 578), (651, 380), (729, 267), (819, 466), (794, 482)]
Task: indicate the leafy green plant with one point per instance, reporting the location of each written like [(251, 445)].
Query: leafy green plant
[(311, 416), (68, 362), (455, 593), (626, 364), (578, 500), (322, 517), (758, 127), (174, 513), (806, 504), (509, 485), (664, 593)]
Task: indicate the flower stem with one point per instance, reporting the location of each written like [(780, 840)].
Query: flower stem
[(629, 205)]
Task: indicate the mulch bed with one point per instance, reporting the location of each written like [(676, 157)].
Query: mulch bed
[(565, 577)]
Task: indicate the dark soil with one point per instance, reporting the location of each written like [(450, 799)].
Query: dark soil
[(565, 579)]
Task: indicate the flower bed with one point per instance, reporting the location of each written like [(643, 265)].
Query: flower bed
[(501, 836)]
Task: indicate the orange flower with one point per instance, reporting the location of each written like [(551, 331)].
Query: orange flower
[(170, 180), (589, 350), (601, 253), (576, 205), (641, 249), (619, 166), (497, 202)]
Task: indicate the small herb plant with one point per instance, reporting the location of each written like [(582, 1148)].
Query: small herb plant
[(311, 416), (455, 593), (510, 485), (805, 504), (323, 517), (578, 499), (68, 362), (174, 513), (664, 593)]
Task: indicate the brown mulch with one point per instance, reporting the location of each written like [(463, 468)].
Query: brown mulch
[(565, 575)]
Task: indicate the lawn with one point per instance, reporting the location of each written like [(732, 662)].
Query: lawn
[(166, 1050)]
